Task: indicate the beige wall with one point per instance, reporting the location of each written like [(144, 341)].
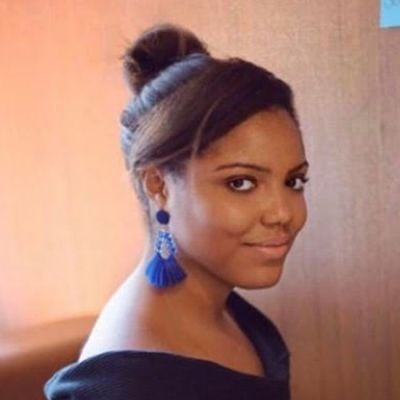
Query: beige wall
[(70, 228)]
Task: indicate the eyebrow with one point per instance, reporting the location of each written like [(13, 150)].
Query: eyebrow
[(258, 167)]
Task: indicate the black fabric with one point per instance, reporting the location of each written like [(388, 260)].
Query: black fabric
[(145, 375)]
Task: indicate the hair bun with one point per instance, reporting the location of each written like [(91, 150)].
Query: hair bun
[(155, 49)]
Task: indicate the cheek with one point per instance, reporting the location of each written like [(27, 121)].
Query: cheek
[(301, 214), (203, 219), (219, 216), (223, 217)]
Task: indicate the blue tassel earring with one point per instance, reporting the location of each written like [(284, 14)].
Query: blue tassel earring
[(164, 270)]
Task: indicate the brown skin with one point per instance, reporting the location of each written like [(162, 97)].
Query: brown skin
[(211, 222), (213, 216)]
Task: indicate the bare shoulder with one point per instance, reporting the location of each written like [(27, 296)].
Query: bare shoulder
[(134, 332), (124, 324), (127, 325)]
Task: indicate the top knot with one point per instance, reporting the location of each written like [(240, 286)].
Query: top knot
[(155, 49)]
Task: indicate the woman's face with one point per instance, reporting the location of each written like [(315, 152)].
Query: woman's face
[(222, 209)]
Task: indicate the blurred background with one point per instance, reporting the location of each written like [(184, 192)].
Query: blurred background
[(70, 225)]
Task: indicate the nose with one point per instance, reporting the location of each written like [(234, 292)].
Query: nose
[(277, 209)]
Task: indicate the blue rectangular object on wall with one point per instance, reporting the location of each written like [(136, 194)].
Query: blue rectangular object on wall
[(390, 13)]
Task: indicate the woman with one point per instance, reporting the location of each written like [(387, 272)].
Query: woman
[(215, 153)]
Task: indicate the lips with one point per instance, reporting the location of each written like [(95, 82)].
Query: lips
[(273, 249), (277, 250), (272, 242)]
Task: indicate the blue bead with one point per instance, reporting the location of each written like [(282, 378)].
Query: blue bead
[(162, 217)]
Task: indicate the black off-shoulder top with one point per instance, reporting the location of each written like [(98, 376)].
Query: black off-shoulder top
[(154, 375)]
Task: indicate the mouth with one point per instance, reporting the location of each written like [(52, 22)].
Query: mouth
[(282, 241), (277, 250)]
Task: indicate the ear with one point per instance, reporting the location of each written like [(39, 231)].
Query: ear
[(154, 185)]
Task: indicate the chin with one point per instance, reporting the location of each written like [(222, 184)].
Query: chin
[(263, 280), (258, 285)]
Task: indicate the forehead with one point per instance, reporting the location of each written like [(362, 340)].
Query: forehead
[(267, 137)]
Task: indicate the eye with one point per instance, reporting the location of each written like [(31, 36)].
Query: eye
[(241, 184), (302, 178)]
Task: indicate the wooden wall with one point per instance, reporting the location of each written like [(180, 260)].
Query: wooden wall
[(70, 228)]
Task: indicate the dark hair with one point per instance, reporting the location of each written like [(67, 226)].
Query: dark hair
[(185, 100)]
